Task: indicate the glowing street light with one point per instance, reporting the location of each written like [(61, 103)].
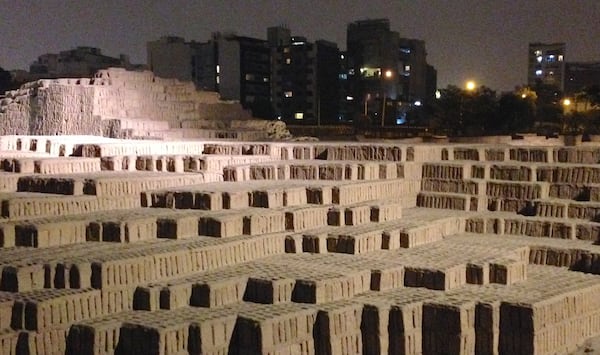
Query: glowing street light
[(388, 75), (470, 85), (566, 102)]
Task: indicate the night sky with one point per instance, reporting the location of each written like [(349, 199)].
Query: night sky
[(484, 40)]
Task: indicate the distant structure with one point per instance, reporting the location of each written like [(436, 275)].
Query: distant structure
[(546, 65), (581, 75), (236, 67), (76, 63), (387, 75), (304, 80), (118, 103), (301, 82)]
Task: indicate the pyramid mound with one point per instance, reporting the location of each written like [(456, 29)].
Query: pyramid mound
[(118, 103)]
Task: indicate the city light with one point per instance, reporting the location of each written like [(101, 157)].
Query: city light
[(566, 102), (388, 74), (470, 85)]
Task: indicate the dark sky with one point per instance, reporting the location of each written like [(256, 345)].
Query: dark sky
[(485, 40)]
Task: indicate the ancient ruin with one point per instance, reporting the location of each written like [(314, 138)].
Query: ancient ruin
[(204, 246)]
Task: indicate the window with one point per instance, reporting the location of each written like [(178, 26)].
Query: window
[(218, 80), (407, 68), (249, 77), (286, 50), (539, 58), (405, 50), (349, 98), (299, 115), (218, 69), (551, 58), (289, 94), (343, 76), (288, 60), (538, 72), (560, 57), (537, 53)]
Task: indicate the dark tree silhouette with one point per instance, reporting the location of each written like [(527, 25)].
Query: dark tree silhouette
[(5, 81)]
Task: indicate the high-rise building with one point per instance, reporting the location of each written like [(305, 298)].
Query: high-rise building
[(546, 65), (387, 75), (237, 67), (169, 57), (580, 76), (304, 86)]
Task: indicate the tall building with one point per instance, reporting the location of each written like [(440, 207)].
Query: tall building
[(236, 67), (546, 65), (387, 75), (169, 57), (304, 86), (76, 63), (581, 75)]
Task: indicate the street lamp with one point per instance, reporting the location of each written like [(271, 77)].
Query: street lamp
[(470, 85), (387, 75)]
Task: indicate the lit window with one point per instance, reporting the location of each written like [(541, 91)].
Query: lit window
[(349, 98), (405, 50), (407, 68), (249, 77), (286, 50), (218, 69), (550, 73), (351, 72), (299, 115), (266, 79), (288, 94), (218, 79), (341, 56), (418, 103), (539, 58), (560, 57), (343, 76), (538, 72), (288, 60), (551, 58), (537, 52)]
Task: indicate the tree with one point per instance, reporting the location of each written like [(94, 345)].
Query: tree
[(446, 111), (5, 81), (461, 112), (516, 112)]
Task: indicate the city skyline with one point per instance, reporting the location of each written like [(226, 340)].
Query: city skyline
[(483, 41)]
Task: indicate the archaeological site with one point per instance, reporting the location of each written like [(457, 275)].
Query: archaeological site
[(134, 222)]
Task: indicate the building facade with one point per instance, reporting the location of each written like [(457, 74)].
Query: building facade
[(236, 67), (580, 76), (305, 84), (389, 79), (546, 65)]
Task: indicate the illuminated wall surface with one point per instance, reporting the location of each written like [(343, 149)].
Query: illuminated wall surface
[(198, 245)]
